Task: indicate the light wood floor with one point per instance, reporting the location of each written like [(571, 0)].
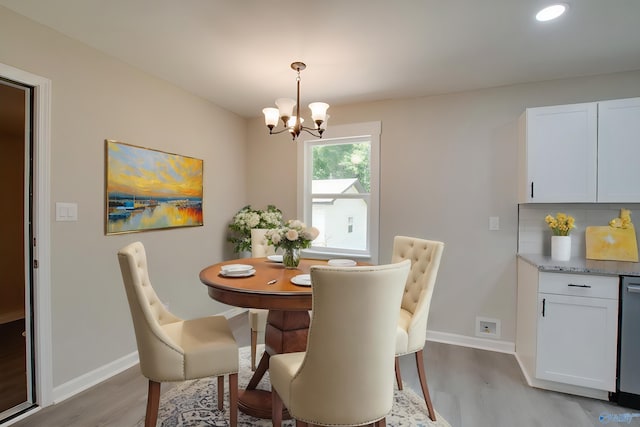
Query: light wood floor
[(469, 388)]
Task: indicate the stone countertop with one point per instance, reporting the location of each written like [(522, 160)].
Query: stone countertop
[(583, 266)]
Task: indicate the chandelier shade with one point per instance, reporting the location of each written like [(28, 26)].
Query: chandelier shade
[(291, 119), (271, 116), (318, 110), (285, 106)]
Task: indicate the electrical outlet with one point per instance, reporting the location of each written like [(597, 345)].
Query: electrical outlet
[(487, 327)]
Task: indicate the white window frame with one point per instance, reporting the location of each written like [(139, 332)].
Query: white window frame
[(335, 135)]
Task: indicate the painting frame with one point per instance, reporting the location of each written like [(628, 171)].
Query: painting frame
[(148, 189)]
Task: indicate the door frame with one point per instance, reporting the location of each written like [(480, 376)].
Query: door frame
[(41, 282)]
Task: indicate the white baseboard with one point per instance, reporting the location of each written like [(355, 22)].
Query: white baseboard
[(561, 388), (83, 382), (473, 342), (103, 373)]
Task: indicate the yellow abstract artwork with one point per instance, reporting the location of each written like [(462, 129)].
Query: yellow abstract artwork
[(149, 189), (611, 244)]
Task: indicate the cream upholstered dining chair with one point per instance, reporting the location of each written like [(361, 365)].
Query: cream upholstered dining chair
[(345, 376), (173, 349), (258, 317), (425, 258)]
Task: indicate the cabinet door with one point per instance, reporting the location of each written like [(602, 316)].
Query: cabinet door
[(619, 150), (561, 150), (577, 340)]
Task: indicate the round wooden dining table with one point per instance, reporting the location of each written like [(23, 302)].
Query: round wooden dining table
[(287, 322)]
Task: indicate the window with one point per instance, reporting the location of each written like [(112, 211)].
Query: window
[(339, 176)]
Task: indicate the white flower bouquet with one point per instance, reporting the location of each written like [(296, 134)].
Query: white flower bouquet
[(246, 219)]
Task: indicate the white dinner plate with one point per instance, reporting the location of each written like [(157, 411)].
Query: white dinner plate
[(275, 258), (301, 280), (236, 268), (244, 273), (341, 262)]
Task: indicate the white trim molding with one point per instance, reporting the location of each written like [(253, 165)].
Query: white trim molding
[(85, 381), (103, 373), (473, 342), (342, 134), (42, 228), (559, 387)]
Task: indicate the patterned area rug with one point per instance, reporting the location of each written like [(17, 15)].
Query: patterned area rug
[(193, 404)]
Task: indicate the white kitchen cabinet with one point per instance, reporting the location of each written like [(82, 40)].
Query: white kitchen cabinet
[(558, 154), (567, 329), (580, 153), (577, 341), (619, 150)]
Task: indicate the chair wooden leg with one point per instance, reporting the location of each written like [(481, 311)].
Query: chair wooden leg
[(153, 403), (423, 384), (233, 400), (380, 423), (276, 408), (220, 392), (254, 346), (302, 424), (398, 376)]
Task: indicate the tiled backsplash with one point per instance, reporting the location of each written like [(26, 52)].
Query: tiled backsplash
[(534, 236)]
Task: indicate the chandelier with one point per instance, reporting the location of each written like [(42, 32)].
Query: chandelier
[(292, 123)]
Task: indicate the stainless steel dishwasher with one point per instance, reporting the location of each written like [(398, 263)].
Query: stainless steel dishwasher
[(628, 386)]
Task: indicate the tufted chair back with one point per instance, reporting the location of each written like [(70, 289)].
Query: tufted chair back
[(259, 246), (160, 358), (173, 349), (345, 377), (425, 258)]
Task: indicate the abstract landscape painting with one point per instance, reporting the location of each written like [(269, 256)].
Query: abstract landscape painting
[(149, 189)]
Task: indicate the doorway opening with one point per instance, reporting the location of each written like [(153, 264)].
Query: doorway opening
[(39, 265), (17, 385)]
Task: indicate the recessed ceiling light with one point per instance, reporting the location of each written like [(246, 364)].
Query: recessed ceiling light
[(551, 12)]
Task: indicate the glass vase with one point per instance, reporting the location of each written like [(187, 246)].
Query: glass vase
[(291, 258)]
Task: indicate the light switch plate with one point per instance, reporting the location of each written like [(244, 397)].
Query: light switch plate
[(494, 223), (66, 211)]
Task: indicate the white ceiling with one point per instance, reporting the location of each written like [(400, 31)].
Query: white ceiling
[(237, 53)]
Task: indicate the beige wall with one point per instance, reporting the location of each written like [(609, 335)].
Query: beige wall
[(448, 163), (95, 97)]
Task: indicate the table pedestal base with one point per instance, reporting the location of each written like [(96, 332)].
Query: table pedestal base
[(257, 403), (286, 332)]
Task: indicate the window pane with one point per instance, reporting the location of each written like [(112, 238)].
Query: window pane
[(342, 223), (340, 190), (342, 161)]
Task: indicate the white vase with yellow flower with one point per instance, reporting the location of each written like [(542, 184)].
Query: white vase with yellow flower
[(561, 226)]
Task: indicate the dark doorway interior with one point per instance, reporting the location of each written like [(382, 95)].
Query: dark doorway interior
[(13, 222)]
